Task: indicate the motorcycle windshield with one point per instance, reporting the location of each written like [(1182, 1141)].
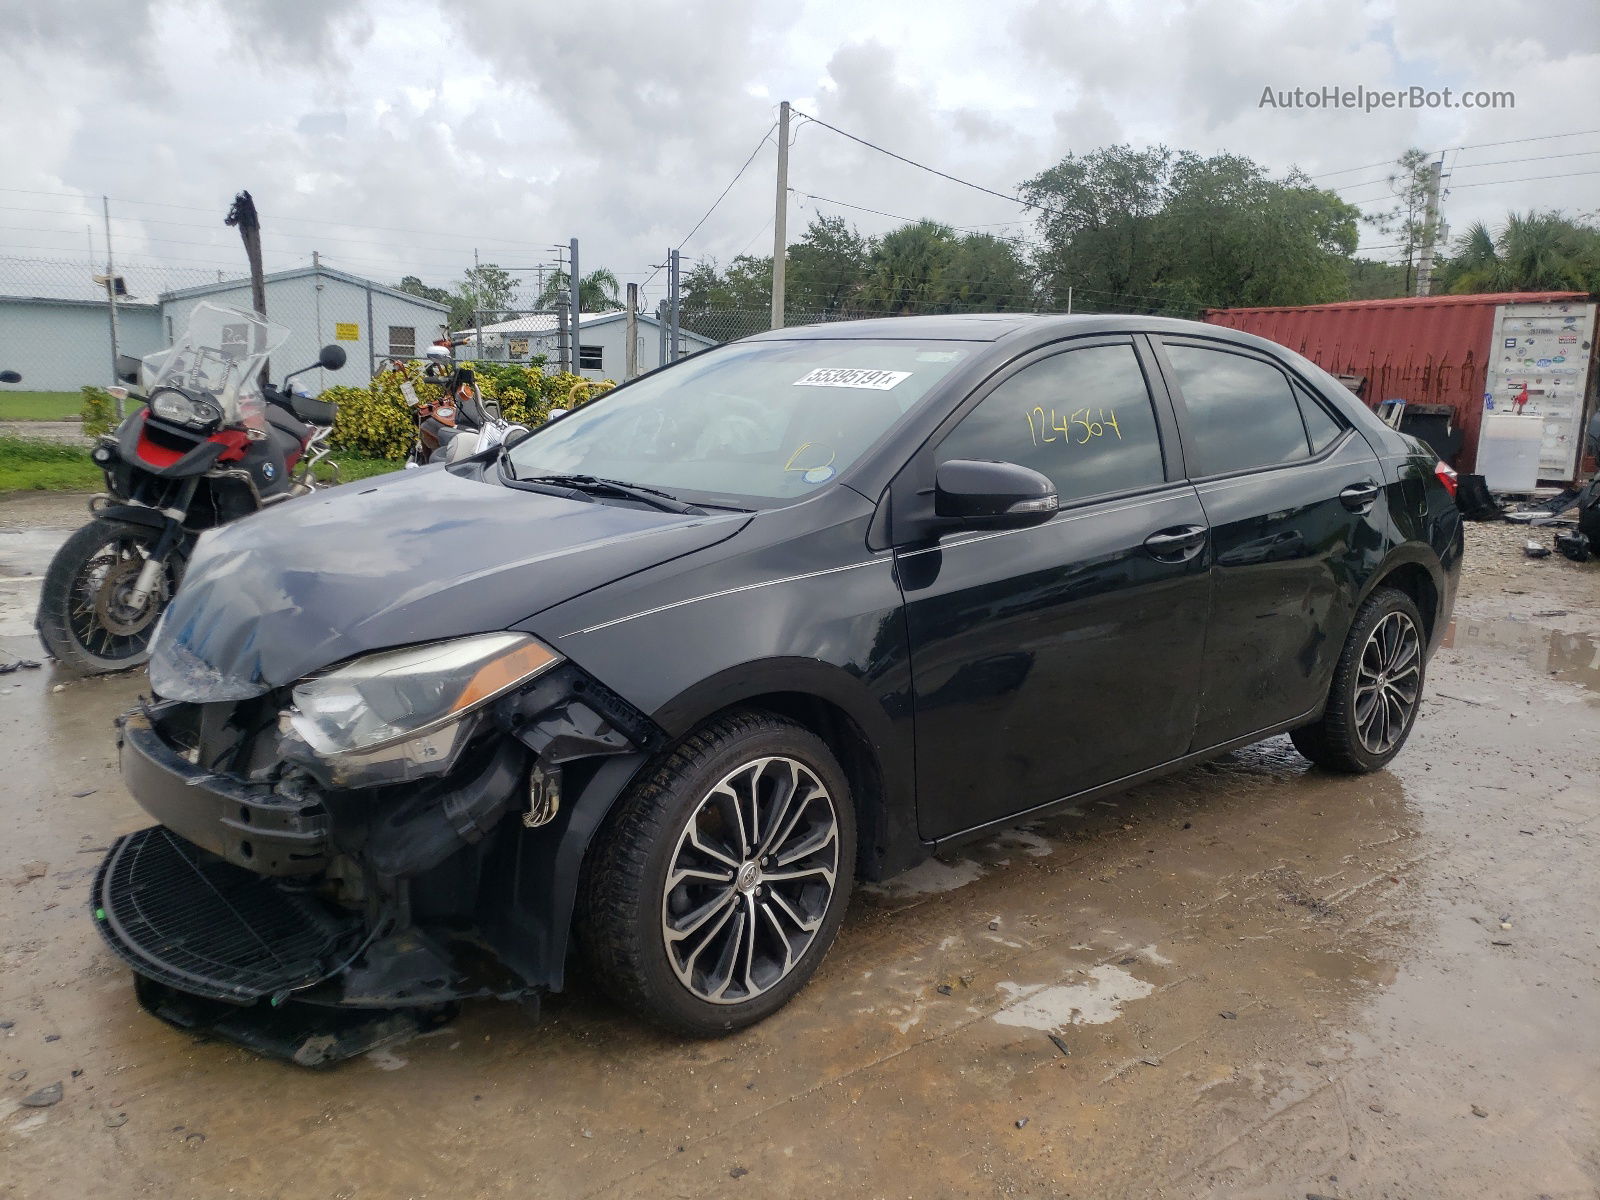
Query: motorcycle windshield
[(219, 356)]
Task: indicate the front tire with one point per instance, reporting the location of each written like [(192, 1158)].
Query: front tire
[(714, 892), (84, 618), (1376, 690)]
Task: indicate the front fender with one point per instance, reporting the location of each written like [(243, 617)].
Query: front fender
[(135, 514)]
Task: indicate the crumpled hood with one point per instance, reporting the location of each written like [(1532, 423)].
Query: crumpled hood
[(415, 556)]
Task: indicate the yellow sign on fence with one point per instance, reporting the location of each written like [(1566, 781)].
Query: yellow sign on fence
[(347, 331)]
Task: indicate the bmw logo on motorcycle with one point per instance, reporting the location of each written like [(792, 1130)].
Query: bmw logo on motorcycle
[(269, 471)]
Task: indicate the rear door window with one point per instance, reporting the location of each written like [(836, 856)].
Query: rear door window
[(1242, 412), (1082, 417)]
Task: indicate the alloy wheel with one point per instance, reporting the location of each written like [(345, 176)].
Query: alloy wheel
[(750, 880), (1388, 682)]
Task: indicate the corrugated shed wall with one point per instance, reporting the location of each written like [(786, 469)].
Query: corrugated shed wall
[(1425, 350)]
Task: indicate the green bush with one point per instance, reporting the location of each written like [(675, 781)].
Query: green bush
[(376, 422), (98, 412)]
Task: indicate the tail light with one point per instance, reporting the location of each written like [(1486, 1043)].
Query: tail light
[(1447, 477)]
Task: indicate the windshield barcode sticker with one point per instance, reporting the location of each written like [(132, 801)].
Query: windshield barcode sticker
[(853, 377)]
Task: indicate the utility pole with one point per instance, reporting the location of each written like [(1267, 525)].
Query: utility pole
[(563, 334), (630, 358), (575, 302), (111, 297), (674, 306), (1430, 228), (780, 232)]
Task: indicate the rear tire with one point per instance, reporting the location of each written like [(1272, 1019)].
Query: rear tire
[(82, 621), (1376, 689), (715, 890)]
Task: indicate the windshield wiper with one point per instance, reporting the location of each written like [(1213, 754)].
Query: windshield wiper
[(593, 484)]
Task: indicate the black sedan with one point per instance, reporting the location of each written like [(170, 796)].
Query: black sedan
[(660, 681)]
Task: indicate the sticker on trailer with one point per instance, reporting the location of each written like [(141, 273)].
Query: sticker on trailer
[(853, 377)]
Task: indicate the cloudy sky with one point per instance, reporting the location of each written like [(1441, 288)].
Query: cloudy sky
[(395, 138)]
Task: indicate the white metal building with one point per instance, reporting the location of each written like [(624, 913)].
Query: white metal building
[(602, 342), (320, 305), (61, 343)]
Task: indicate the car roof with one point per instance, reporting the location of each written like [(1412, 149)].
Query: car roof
[(993, 327)]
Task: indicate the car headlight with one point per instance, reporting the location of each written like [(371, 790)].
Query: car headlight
[(181, 409), (398, 696)]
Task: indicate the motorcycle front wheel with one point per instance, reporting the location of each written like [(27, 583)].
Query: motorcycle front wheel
[(85, 617)]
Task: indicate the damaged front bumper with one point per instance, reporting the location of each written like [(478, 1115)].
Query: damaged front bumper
[(369, 912)]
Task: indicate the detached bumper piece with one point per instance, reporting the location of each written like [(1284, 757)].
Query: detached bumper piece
[(188, 919), (305, 1034)]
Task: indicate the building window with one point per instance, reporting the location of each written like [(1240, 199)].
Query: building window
[(402, 341), (591, 358)]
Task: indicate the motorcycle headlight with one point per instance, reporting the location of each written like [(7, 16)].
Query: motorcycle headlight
[(398, 696), (172, 405)]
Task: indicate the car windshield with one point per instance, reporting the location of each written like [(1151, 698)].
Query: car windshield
[(756, 422)]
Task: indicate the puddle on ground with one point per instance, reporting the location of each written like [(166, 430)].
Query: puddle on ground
[(1093, 1002), (1571, 657)]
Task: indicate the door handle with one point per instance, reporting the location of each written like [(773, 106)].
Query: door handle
[(1178, 543), (1359, 497)]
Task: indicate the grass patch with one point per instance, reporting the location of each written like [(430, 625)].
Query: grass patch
[(30, 465), (354, 466), (39, 406), (35, 465)]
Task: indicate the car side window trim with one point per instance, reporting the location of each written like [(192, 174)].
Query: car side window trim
[(1185, 423)]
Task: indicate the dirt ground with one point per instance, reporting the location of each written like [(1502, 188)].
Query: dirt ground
[(1265, 981)]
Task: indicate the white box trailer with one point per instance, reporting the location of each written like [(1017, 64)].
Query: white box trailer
[(1546, 350)]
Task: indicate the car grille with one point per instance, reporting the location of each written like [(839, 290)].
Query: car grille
[(188, 919)]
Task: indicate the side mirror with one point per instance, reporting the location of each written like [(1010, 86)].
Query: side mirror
[(992, 495), (10, 377), (331, 358)]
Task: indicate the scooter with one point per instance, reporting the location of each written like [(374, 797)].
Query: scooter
[(212, 442)]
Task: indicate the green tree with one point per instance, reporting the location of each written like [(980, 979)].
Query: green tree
[(415, 287), (597, 291), (912, 270), (827, 268), (1531, 252), (1160, 230), (482, 297), (1096, 223), (1370, 279), (988, 274), (1406, 218)]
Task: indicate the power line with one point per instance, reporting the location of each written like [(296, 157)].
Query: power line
[(895, 217), (923, 166), (1524, 179), (739, 174), (722, 196), (1543, 137), (1500, 162)]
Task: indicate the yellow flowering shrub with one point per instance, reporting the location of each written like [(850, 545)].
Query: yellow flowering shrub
[(376, 422)]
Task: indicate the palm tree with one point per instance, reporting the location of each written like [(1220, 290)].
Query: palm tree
[(597, 291), (1531, 252)]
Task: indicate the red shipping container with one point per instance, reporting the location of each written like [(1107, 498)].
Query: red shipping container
[(1424, 349)]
